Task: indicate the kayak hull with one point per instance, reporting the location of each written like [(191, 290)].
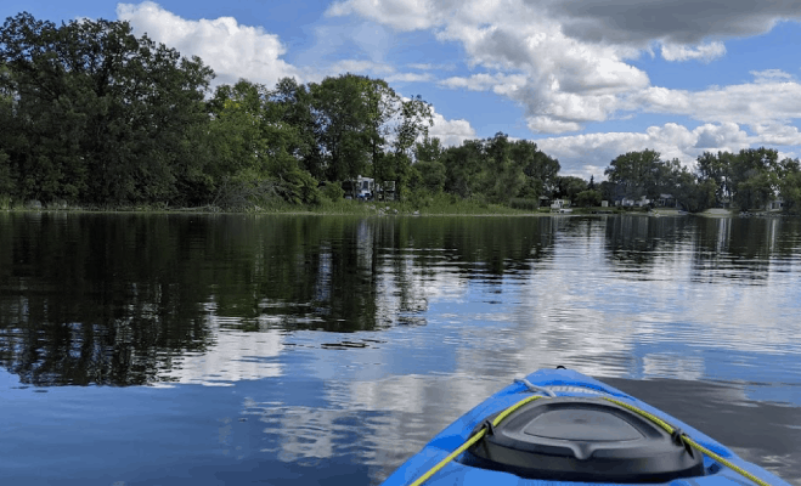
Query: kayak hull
[(562, 383)]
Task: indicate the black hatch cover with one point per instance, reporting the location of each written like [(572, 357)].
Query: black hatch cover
[(583, 439)]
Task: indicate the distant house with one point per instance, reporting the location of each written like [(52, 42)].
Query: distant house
[(628, 202), (388, 191), (561, 206), (776, 204), (667, 201), (366, 187), (363, 188)]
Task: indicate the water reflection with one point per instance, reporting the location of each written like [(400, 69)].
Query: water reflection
[(635, 243), (340, 343), (118, 299)]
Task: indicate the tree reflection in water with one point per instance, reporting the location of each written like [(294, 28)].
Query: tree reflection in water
[(120, 299)]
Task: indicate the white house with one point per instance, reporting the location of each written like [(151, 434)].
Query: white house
[(776, 204), (629, 202), (365, 187)]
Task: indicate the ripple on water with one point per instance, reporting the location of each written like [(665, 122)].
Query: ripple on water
[(345, 344)]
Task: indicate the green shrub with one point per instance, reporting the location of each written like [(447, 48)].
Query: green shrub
[(480, 200), (333, 191), (527, 204), (420, 198), (588, 198)]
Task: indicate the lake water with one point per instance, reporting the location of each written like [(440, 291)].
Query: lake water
[(238, 349)]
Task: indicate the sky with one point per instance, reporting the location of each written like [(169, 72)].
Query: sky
[(586, 80)]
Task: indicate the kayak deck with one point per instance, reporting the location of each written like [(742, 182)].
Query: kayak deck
[(559, 383)]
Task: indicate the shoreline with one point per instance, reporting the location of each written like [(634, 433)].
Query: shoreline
[(368, 213), (467, 211)]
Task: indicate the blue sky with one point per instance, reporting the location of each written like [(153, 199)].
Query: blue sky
[(586, 79)]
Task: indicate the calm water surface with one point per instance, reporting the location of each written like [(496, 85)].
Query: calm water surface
[(233, 350)]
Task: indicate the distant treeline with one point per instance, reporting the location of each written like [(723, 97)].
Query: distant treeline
[(91, 114), (751, 179)]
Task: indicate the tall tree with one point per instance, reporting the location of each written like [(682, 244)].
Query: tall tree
[(634, 172), (8, 181), (568, 187), (462, 166), (297, 110), (257, 152), (502, 176), (717, 168), (429, 170), (237, 130), (540, 170), (754, 177), (350, 112), (790, 184), (92, 99), (414, 117)]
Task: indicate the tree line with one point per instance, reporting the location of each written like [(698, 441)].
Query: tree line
[(92, 114), (750, 179)]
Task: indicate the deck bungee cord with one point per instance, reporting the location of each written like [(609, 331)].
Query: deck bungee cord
[(488, 425), (475, 438), (688, 441)]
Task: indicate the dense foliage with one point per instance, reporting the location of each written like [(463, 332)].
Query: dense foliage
[(750, 179), (91, 114)]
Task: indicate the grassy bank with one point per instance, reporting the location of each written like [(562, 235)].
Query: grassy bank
[(441, 205), (345, 207)]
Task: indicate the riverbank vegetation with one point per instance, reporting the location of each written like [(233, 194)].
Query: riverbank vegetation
[(92, 116)]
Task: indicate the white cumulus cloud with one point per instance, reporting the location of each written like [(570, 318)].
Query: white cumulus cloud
[(671, 140), (545, 124), (233, 50), (771, 76), (703, 52), (451, 132), (766, 101), (400, 14), (551, 75), (777, 134), (572, 58), (499, 83)]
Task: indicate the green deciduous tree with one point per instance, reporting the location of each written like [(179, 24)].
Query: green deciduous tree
[(7, 183), (295, 103), (428, 170), (414, 117), (99, 115), (590, 197), (502, 175), (754, 192), (790, 184), (608, 189), (237, 130), (539, 169), (717, 168), (462, 165), (634, 172), (349, 111), (257, 152), (753, 177), (568, 187)]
